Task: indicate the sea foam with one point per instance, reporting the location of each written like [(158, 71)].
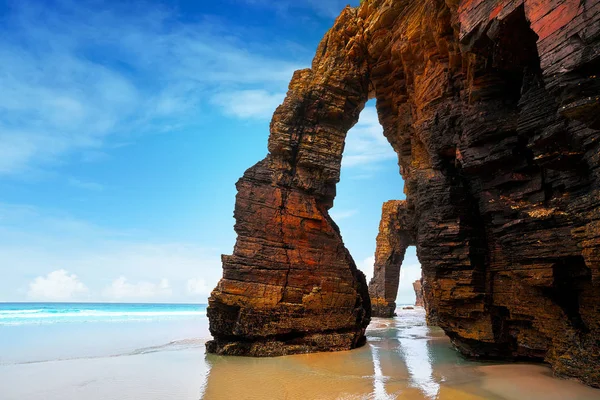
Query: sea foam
[(48, 313)]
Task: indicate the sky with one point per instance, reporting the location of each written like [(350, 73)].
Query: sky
[(124, 128)]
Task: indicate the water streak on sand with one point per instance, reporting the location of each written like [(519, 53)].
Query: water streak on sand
[(379, 391), (413, 346), (175, 345)]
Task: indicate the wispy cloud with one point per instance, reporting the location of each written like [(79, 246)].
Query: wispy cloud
[(198, 287), (339, 215), (121, 289), (93, 156), (93, 186), (325, 8), (365, 144), (367, 266), (78, 75), (22, 224), (258, 104)]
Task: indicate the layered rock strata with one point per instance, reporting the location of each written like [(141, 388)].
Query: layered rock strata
[(291, 286), (394, 237), (493, 109)]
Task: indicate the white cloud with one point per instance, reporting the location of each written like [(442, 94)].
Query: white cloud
[(249, 103), (56, 286), (80, 77), (198, 287), (367, 266), (121, 289), (339, 215), (365, 143)]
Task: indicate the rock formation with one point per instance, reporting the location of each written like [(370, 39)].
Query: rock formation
[(395, 235), (493, 109), (418, 293), (291, 286)]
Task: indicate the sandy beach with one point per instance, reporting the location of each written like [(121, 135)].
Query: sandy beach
[(404, 359)]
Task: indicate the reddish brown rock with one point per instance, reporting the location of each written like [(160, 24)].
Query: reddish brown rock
[(493, 109), (291, 286), (418, 293), (395, 235)]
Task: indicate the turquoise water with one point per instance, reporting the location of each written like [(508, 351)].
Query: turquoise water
[(12, 314), (41, 332)]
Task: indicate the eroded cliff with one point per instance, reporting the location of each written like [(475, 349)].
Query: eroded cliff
[(493, 109)]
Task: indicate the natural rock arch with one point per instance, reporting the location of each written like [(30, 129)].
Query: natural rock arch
[(492, 107), (291, 285), (396, 234)]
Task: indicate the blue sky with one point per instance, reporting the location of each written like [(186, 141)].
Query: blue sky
[(125, 127)]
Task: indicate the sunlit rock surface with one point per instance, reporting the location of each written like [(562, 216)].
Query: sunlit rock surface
[(493, 109), (394, 237), (291, 286), (418, 293)]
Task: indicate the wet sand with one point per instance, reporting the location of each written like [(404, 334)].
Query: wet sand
[(404, 359)]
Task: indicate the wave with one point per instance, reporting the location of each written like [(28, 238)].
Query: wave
[(11, 312), (49, 314), (26, 314)]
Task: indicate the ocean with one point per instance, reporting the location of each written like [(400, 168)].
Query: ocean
[(12, 314), (40, 332), (71, 351)]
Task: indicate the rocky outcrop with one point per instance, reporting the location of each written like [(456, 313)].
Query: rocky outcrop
[(394, 237), (418, 293), (291, 286), (493, 109)]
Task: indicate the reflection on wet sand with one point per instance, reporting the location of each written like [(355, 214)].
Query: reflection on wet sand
[(379, 391), (414, 347), (345, 375), (403, 359)]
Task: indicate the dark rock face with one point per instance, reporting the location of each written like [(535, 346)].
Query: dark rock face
[(493, 108), (395, 235), (419, 302)]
